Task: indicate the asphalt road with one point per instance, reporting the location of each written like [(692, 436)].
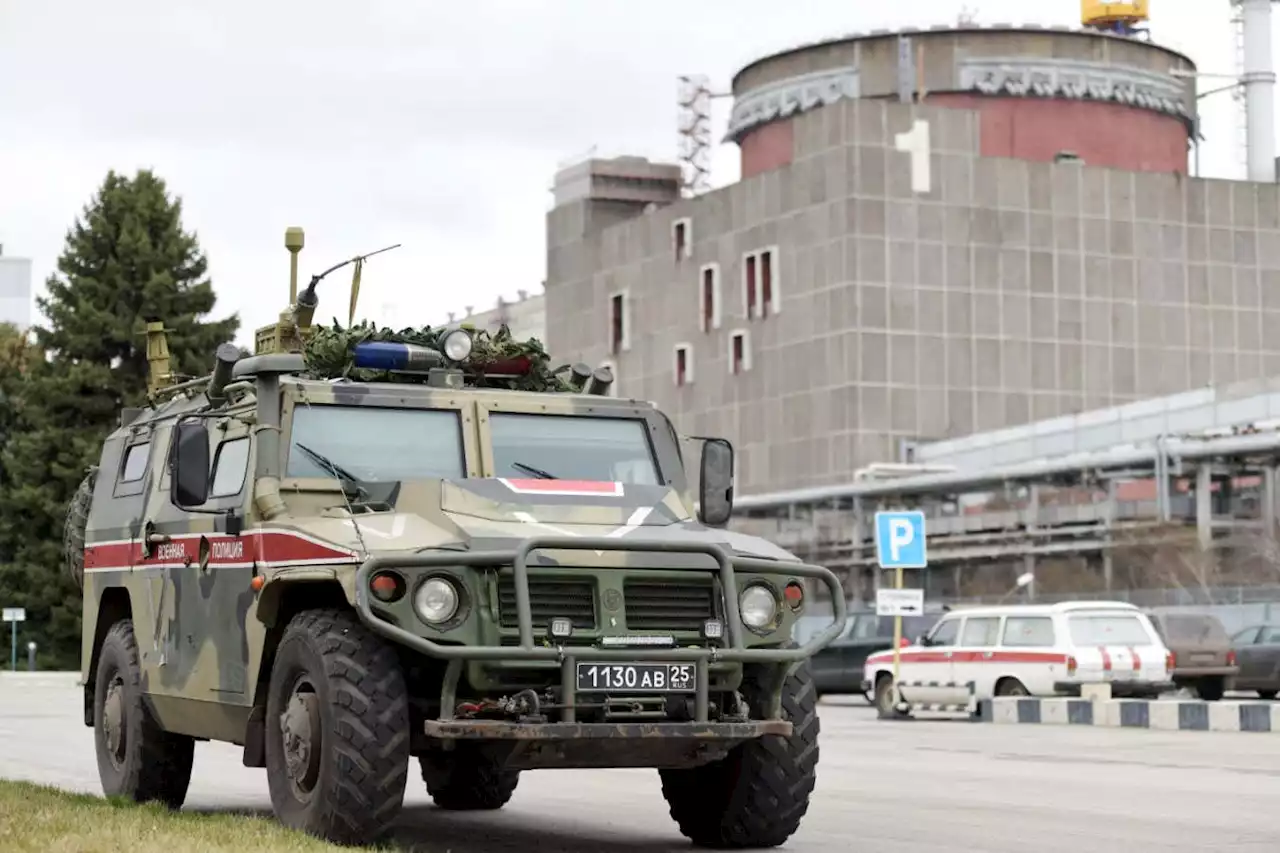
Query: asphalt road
[(883, 787)]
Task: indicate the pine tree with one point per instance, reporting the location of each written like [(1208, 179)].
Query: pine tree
[(127, 260)]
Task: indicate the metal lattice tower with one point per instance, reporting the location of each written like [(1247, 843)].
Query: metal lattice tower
[(1238, 94), (694, 126)]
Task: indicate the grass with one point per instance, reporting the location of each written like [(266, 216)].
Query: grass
[(39, 819)]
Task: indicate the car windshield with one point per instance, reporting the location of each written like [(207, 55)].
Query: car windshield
[(568, 447), (1108, 630), (374, 445)]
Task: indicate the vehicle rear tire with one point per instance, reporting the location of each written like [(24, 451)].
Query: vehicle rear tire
[(136, 758), (337, 729), (1012, 687), (468, 779), (1210, 689), (756, 796), (1267, 694)]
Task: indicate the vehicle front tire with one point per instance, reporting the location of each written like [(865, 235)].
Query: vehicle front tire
[(756, 796), (1267, 694), (468, 779), (136, 758), (1012, 687), (337, 729)]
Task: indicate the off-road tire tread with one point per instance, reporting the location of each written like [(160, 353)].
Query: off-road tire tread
[(757, 795), (369, 742), (162, 772), (472, 782)]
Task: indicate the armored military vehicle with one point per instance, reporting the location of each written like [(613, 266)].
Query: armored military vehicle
[(357, 547)]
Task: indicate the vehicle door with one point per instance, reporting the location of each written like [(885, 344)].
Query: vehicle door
[(827, 665), (1248, 654), (926, 669), (1028, 652), (974, 659), (207, 565), (1264, 659)]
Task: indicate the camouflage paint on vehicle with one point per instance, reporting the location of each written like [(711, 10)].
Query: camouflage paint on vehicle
[(211, 588)]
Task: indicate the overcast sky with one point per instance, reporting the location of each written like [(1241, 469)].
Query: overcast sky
[(436, 125)]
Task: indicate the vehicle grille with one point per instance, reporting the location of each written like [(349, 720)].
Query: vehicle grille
[(669, 605), (548, 598)]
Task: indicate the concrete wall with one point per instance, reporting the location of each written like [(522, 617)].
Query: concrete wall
[(1009, 291)]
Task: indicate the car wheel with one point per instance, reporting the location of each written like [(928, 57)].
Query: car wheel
[(1267, 694), (1012, 687)]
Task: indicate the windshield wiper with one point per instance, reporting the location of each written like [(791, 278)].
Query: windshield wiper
[(537, 472), (341, 473)]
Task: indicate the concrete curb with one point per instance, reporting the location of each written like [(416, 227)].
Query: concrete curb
[(1177, 715)]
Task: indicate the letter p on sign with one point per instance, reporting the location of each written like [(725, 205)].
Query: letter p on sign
[(900, 540)]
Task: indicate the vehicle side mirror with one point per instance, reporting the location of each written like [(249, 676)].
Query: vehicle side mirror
[(189, 464), (922, 640), (715, 483)]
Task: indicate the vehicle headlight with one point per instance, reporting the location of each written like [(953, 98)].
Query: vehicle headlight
[(436, 600), (457, 345), (757, 606)]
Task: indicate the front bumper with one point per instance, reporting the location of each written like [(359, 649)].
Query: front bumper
[(736, 652)]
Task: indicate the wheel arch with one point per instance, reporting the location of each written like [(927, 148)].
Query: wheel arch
[(114, 604), (279, 603)]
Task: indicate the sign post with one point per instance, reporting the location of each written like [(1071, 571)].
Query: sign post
[(13, 615), (900, 544)]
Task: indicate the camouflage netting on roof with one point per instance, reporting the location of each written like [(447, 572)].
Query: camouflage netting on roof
[(73, 528), (329, 353)]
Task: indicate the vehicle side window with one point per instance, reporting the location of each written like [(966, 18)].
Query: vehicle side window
[(1270, 635), (135, 463), (1028, 631), (945, 633), (980, 631), (1246, 637), (230, 466)]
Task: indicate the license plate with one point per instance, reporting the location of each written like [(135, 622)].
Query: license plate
[(640, 677)]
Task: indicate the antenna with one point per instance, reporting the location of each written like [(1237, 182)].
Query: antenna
[(694, 129), (967, 17)]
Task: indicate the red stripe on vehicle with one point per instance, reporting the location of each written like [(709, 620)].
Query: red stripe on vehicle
[(563, 487), (268, 546), (971, 657), (1106, 659)]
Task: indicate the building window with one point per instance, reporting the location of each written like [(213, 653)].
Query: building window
[(760, 296), (680, 242), (619, 323), (739, 352), (683, 365), (709, 297)]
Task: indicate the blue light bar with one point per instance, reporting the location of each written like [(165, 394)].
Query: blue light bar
[(403, 358)]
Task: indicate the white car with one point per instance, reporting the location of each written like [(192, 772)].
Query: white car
[(1025, 650)]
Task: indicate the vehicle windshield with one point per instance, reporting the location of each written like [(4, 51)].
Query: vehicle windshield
[(374, 445), (568, 447), (1108, 630), (1181, 628)]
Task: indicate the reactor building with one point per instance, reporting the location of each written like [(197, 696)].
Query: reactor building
[(936, 233), (966, 270)]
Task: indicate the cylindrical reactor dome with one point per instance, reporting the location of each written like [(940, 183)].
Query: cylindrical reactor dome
[(1112, 101)]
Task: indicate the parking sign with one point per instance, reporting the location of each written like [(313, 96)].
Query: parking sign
[(900, 540)]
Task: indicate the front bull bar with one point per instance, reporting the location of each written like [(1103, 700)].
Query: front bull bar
[(517, 558)]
